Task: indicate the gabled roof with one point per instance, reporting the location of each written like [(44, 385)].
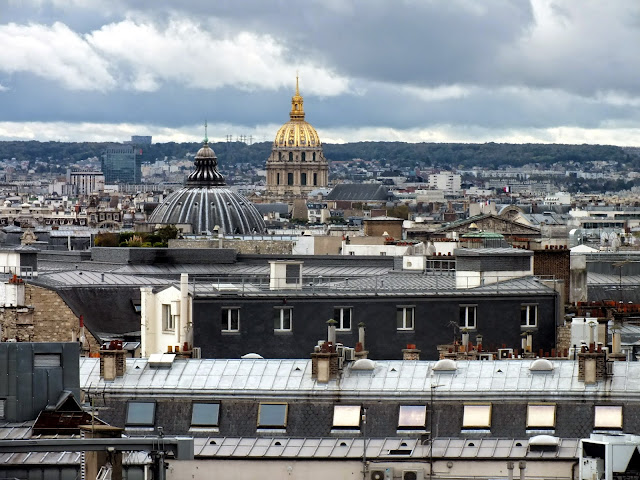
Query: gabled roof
[(479, 220), (360, 192)]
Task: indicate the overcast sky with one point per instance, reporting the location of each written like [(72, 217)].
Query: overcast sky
[(563, 71)]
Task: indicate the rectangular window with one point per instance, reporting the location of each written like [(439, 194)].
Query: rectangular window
[(292, 273), (541, 416), (476, 416), (608, 416), (47, 360), (289, 178), (529, 316), (342, 315), (412, 416), (205, 414), (404, 318), (315, 177), (168, 320), (3, 401), (468, 316), (283, 319), (278, 179), (346, 416), (303, 176), (141, 413), (272, 415), (230, 319)]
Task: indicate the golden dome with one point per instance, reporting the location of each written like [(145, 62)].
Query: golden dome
[(297, 132)]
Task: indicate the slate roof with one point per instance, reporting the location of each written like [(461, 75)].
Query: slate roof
[(359, 192)]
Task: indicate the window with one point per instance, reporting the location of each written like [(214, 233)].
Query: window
[(303, 178), (541, 416), (315, 179), (289, 178), (342, 315), (277, 179), (141, 413), (476, 416), (230, 320), (303, 156), (412, 416), (283, 319), (346, 416), (314, 156), (608, 416), (167, 319), (205, 414), (529, 316), (47, 360), (291, 156), (404, 318), (468, 316), (3, 402), (272, 415)]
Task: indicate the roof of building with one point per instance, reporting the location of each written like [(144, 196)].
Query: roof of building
[(489, 379), (359, 192)]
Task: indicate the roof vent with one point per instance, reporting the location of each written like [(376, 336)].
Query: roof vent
[(363, 364), (252, 355), (541, 365), (445, 365), (544, 440)]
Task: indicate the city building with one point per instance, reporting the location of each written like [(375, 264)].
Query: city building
[(121, 164), (297, 165)]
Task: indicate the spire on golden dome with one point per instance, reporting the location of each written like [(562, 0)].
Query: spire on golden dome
[(297, 109)]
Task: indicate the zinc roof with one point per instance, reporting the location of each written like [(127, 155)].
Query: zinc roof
[(396, 378)]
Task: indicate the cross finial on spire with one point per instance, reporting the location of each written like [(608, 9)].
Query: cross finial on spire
[(206, 137)]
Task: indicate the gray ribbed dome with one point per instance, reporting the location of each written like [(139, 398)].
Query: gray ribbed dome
[(206, 203)]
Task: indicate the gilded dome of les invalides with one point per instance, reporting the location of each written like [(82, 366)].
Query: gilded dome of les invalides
[(297, 132)]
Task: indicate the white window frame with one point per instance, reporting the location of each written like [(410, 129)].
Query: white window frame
[(282, 317), (229, 314), (168, 320), (407, 324), (339, 313), (528, 307), (466, 323)]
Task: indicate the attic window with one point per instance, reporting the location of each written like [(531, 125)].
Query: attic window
[(272, 415), (608, 416), (141, 413), (3, 401), (477, 416), (412, 417), (346, 416), (205, 414), (137, 307), (541, 416)]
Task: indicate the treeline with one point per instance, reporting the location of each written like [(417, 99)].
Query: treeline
[(396, 154)]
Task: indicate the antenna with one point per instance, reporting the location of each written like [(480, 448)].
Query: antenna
[(206, 137)]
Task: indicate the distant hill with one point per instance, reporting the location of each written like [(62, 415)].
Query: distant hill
[(396, 154)]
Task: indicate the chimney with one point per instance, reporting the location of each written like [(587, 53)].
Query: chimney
[(325, 362), (113, 361), (592, 366), (479, 342), (465, 340), (411, 352)]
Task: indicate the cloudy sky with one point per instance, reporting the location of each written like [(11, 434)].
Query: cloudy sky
[(561, 71)]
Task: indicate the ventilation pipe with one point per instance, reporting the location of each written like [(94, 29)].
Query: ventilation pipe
[(523, 468), (361, 335), (331, 334), (510, 470), (184, 326)]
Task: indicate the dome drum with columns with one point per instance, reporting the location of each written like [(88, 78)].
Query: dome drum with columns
[(296, 165), (207, 204)]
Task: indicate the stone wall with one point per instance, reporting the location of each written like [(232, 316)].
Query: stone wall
[(44, 318), (564, 338)]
